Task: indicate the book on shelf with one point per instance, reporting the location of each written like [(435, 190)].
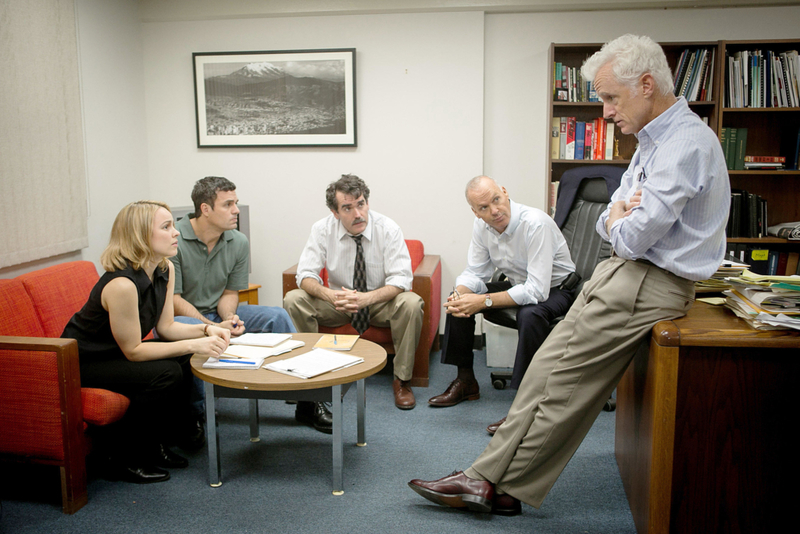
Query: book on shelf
[(570, 153), (553, 198), (555, 138), (580, 139), (786, 230), (741, 148), (747, 216), (562, 150), (589, 142), (765, 159), (694, 74), (608, 141)]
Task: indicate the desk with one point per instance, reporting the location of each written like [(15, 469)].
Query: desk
[(264, 384), (703, 426)]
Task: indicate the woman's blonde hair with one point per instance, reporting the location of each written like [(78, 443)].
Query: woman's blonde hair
[(130, 237)]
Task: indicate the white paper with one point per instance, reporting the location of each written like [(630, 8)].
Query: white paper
[(260, 340), (314, 363)]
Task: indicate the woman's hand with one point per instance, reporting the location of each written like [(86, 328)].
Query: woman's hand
[(213, 345)]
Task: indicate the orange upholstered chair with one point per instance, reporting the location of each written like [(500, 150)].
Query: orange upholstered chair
[(43, 410), (427, 284)]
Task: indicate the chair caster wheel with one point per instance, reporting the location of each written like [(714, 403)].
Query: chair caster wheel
[(610, 405), (499, 383)]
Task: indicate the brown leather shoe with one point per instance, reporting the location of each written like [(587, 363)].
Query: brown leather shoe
[(457, 391), (491, 429), (457, 491), (403, 396), (505, 504)]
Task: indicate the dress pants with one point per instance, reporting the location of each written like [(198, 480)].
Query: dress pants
[(533, 326), (402, 314), (159, 391), (575, 371)]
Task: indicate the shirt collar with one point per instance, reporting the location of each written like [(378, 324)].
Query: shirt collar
[(658, 127), (187, 230), (342, 232)]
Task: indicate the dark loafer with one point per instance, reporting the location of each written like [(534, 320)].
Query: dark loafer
[(505, 504), (491, 429), (403, 396), (315, 414), (166, 459), (457, 491), (140, 474), (457, 391)]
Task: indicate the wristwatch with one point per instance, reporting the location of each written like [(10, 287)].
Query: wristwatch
[(488, 301)]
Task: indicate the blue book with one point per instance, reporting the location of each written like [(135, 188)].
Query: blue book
[(580, 135)]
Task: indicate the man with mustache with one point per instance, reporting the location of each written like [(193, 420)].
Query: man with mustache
[(527, 246), (351, 236)]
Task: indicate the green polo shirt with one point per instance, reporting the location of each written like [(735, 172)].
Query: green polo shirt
[(200, 277)]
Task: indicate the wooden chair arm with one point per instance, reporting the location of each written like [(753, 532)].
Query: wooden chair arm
[(289, 279)]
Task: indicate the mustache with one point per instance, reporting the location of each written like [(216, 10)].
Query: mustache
[(359, 220)]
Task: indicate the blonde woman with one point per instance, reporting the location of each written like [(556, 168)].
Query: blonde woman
[(128, 301)]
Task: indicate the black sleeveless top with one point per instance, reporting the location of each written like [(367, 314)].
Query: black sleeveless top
[(91, 326)]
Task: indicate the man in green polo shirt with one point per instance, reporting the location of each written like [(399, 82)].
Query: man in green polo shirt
[(212, 266)]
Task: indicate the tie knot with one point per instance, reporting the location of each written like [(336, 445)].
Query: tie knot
[(357, 238)]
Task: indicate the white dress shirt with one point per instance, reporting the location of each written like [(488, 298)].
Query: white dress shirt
[(531, 252), (680, 223), (330, 245)]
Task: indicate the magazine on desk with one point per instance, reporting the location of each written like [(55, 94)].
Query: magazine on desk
[(314, 363), (249, 357)]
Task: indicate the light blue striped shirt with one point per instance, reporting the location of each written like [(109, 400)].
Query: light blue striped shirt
[(531, 252), (680, 224)]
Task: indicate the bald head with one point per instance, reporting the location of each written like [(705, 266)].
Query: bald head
[(489, 202)]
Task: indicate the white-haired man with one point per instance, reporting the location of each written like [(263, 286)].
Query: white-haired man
[(666, 223)]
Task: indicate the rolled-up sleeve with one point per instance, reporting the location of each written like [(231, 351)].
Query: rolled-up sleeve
[(397, 261), (312, 259)]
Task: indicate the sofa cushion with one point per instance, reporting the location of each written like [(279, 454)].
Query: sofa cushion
[(17, 314), (58, 292), (103, 407), (417, 251)]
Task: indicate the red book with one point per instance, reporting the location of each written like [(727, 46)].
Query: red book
[(589, 146), (570, 138), (764, 159)]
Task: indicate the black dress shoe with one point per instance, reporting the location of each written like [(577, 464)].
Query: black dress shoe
[(166, 459), (140, 474), (194, 437), (315, 414)]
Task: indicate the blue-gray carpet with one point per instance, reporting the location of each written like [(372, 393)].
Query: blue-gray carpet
[(283, 482)]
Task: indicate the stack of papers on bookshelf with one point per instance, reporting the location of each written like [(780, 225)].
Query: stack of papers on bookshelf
[(249, 357), (314, 363), (336, 342), (260, 340)]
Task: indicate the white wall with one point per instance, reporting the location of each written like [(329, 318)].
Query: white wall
[(420, 123), (517, 88), (112, 93)]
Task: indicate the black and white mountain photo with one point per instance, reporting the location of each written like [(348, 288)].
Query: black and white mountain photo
[(272, 98)]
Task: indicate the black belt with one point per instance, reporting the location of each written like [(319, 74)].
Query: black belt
[(570, 282)]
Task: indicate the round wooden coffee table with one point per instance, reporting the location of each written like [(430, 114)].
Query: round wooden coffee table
[(265, 384)]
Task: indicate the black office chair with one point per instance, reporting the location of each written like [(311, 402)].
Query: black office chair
[(583, 194)]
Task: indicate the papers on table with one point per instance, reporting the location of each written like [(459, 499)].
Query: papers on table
[(249, 357), (313, 363), (260, 340), (756, 298)]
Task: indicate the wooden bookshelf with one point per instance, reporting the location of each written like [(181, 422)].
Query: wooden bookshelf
[(771, 131)]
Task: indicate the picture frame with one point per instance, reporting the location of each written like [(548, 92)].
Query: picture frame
[(276, 98)]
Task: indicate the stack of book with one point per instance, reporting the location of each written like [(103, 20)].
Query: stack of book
[(747, 216), (760, 300), (762, 79), (569, 86), (734, 145), (764, 163), (694, 75), (573, 139)]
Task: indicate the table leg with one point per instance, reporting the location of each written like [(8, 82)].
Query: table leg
[(361, 410), (212, 435), (338, 460), (254, 421)]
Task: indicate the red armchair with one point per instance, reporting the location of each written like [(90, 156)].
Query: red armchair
[(427, 284), (44, 413)]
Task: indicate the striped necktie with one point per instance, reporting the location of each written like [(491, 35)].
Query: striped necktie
[(360, 319)]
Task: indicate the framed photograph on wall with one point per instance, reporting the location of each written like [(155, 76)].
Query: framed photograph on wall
[(281, 98)]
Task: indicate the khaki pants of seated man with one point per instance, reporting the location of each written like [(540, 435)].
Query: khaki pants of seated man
[(574, 372), (403, 314)]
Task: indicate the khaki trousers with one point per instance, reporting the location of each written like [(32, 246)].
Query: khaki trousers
[(575, 371), (402, 314)]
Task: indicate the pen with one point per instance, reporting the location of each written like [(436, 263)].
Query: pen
[(334, 339), (238, 361)]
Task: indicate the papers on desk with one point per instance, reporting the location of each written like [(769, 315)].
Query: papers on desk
[(314, 363), (260, 340), (249, 357)]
